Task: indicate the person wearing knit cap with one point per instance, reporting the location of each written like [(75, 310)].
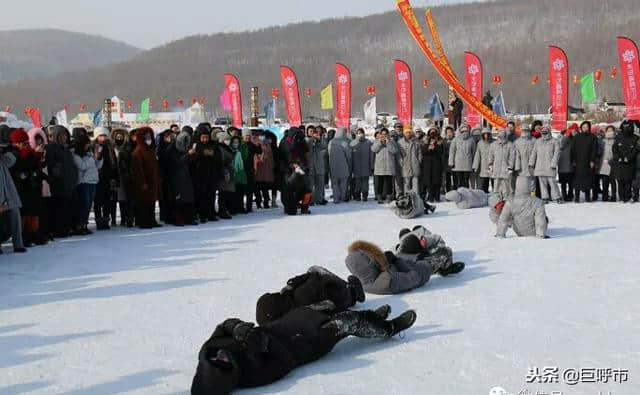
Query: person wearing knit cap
[(28, 176)]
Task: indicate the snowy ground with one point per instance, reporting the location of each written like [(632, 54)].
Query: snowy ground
[(127, 311)]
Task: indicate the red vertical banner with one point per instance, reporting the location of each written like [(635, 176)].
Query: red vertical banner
[(404, 93), (630, 75), (291, 95), (559, 87), (232, 86), (343, 93), (473, 83)]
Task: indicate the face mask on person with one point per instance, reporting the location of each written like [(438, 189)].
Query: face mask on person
[(119, 142), (361, 137), (235, 145), (148, 141), (261, 138)]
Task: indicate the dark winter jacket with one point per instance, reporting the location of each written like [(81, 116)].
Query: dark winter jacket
[(60, 167), (432, 165), (209, 169), (249, 151), (625, 150), (261, 355), (180, 186), (145, 170), (584, 152), (108, 177), (315, 286), (362, 157), (27, 178)]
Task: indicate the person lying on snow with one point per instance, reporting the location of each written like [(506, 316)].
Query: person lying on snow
[(522, 212), (241, 355), (466, 198), (420, 244), (317, 286), (410, 205), (383, 273), (296, 193)]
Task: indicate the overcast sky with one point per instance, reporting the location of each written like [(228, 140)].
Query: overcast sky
[(146, 24)]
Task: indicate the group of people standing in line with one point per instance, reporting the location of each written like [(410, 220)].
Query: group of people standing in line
[(52, 178)]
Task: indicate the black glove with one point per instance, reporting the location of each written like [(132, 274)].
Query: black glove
[(230, 324), (390, 257), (298, 280)]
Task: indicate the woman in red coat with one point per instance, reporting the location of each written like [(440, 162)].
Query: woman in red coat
[(146, 179)]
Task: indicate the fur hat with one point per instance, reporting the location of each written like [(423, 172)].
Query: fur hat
[(371, 250), (246, 132)]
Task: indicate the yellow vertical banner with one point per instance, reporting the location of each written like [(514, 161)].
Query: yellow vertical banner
[(326, 98)]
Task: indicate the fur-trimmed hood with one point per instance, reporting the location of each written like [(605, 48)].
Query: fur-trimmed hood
[(373, 251)]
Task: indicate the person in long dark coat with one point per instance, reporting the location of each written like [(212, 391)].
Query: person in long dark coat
[(167, 209), (123, 149), (432, 166), (27, 177), (146, 176), (240, 355), (625, 152), (209, 171), (180, 188), (104, 206), (585, 147), (62, 178)]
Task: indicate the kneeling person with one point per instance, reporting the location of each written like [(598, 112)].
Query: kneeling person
[(522, 212)]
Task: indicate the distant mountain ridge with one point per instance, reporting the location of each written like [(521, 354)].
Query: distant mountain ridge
[(38, 53), (510, 36)]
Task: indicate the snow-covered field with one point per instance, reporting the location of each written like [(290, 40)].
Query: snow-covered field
[(127, 311)]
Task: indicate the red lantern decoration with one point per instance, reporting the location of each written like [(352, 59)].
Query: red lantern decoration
[(27, 111), (497, 79), (130, 104), (425, 83), (598, 75), (371, 90), (83, 107), (308, 92), (180, 102), (165, 104), (194, 100), (576, 79), (202, 101), (275, 93), (535, 79), (614, 72), (7, 109)]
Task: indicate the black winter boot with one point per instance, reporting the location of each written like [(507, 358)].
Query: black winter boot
[(355, 286), (383, 311), (403, 322), (454, 268), (367, 324)]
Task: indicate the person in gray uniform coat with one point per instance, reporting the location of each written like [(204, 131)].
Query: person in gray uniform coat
[(502, 160), (421, 244), (340, 165), (466, 198), (385, 150), (524, 213), (362, 165), (461, 153), (606, 169), (481, 160), (544, 161), (410, 158), (474, 177), (10, 220), (382, 273), (525, 181)]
